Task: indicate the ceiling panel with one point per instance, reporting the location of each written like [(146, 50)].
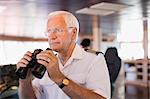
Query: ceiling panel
[(39, 9)]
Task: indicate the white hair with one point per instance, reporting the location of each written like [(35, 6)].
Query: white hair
[(69, 18)]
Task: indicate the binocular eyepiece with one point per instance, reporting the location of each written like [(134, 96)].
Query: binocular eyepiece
[(37, 69)]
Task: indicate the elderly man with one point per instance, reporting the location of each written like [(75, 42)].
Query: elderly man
[(71, 74)]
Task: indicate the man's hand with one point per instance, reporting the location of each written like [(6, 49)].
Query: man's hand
[(50, 61), (24, 61)]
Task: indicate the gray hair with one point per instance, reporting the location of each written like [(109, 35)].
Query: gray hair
[(69, 18)]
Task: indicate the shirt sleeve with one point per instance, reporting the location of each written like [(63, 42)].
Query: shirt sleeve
[(98, 77), (37, 89)]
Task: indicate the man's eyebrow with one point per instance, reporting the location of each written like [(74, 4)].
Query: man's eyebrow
[(53, 28)]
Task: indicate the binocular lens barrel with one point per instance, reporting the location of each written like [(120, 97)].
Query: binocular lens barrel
[(22, 72), (38, 71)]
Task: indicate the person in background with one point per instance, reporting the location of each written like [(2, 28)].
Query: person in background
[(86, 44), (71, 74), (2, 87)]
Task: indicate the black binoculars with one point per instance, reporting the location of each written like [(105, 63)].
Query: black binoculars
[(37, 69)]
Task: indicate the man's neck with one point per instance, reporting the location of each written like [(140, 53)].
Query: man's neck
[(65, 55)]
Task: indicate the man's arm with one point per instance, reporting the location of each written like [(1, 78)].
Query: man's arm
[(25, 85), (76, 91), (26, 89)]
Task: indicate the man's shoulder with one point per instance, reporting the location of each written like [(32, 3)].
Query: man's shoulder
[(93, 51), (93, 55)]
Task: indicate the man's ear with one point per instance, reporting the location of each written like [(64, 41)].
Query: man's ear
[(74, 33)]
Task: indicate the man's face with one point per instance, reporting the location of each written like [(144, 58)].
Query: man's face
[(58, 36)]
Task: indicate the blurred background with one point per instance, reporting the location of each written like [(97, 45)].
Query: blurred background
[(123, 24)]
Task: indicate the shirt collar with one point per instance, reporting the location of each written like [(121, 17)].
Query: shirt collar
[(77, 52)]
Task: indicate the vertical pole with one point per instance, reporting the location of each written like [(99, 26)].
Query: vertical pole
[(97, 35), (145, 46)]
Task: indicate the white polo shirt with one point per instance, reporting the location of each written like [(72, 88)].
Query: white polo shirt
[(83, 68)]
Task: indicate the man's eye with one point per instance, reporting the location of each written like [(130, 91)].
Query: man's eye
[(58, 30), (49, 31)]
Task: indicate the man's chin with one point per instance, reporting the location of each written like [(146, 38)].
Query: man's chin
[(55, 49)]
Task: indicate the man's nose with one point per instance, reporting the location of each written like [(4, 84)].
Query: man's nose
[(52, 35)]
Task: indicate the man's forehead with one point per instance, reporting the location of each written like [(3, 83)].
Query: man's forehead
[(59, 20), (56, 17)]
